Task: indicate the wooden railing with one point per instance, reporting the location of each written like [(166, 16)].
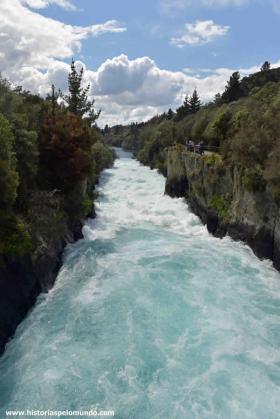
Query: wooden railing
[(198, 148)]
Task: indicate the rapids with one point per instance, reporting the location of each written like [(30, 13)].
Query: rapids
[(150, 317)]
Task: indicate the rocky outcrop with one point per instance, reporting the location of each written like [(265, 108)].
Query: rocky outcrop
[(225, 200), (22, 279), (56, 221), (177, 181)]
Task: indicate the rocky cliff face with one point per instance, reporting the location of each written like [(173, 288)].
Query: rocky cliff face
[(56, 221), (23, 279), (223, 197)]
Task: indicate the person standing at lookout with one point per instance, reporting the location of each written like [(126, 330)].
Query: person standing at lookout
[(201, 147), (191, 146)]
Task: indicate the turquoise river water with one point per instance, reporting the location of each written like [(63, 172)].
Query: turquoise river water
[(150, 317)]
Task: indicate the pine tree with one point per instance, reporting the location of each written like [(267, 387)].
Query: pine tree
[(266, 66), (133, 127), (194, 102), (233, 88), (52, 98), (106, 129), (170, 114), (186, 104), (183, 110), (77, 99), (217, 99)]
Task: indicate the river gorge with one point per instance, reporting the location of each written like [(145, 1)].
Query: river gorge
[(150, 316)]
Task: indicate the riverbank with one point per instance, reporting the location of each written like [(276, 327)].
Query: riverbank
[(237, 191), (51, 157), (222, 196), (24, 278)]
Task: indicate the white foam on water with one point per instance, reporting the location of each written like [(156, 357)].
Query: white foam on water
[(133, 197), (151, 317)]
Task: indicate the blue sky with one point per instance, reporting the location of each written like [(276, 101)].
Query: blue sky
[(252, 38), (140, 57)]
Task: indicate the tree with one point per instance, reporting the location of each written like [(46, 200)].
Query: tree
[(266, 66), (106, 130), (186, 104), (233, 89), (77, 99), (170, 114), (217, 99), (117, 129), (134, 128), (27, 155), (102, 156), (183, 110), (221, 125), (52, 98), (66, 150), (194, 102), (8, 173)]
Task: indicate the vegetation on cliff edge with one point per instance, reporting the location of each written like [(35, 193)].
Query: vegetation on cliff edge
[(51, 155), (243, 123)]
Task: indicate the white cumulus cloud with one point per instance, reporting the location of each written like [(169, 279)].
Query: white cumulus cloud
[(30, 39), (199, 33), (41, 4), (136, 82), (150, 90), (130, 90), (33, 52)]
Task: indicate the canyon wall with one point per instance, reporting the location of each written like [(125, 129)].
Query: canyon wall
[(225, 200)]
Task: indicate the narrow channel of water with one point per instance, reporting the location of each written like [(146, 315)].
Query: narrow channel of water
[(150, 317)]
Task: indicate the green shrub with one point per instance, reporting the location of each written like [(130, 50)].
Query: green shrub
[(15, 239), (212, 159), (102, 156), (221, 205), (8, 174)]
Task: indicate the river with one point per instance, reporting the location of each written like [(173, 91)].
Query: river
[(150, 316)]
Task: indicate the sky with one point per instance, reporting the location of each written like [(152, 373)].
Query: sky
[(140, 57)]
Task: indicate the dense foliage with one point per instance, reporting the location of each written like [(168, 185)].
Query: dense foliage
[(243, 123), (50, 158)]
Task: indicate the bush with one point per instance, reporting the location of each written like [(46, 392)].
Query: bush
[(221, 205), (8, 174), (200, 124), (102, 156), (15, 239)]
